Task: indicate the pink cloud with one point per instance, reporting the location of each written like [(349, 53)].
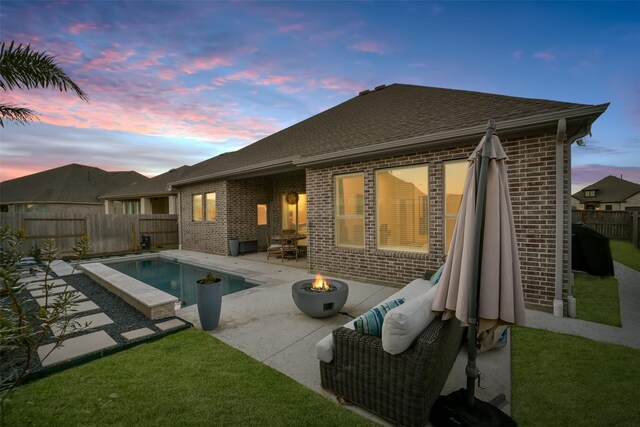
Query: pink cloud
[(108, 59), (545, 55), (254, 76), (368, 47), (167, 74), (209, 63), (340, 84), (79, 27)]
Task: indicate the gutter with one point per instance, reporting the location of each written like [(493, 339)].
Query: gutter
[(564, 205)]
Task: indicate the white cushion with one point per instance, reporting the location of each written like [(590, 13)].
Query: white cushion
[(403, 324), (324, 347)]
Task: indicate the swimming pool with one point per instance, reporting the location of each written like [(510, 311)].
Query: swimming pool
[(174, 278)]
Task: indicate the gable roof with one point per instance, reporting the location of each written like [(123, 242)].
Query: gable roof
[(391, 118), (72, 183), (610, 189), (156, 186)]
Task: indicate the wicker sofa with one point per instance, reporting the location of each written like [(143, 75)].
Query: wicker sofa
[(402, 387)]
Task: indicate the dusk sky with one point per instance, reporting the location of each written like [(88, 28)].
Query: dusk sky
[(174, 83)]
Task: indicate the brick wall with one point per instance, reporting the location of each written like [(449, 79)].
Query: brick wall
[(531, 169), (242, 212), (204, 236)]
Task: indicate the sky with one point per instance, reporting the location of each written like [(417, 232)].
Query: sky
[(173, 83)]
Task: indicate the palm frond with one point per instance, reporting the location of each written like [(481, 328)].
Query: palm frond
[(16, 114), (21, 67)]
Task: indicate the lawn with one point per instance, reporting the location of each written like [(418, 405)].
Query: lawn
[(188, 378), (563, 380), (597, 299), (625, 253)]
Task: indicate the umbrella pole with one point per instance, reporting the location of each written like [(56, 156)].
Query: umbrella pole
[(481, 185)]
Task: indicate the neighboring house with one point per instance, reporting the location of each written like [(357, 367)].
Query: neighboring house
[(379, 179), (148, 196), (608, 194), (68, 189)]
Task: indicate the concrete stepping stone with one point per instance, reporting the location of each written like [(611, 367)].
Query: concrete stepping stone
[(40, 284), (80, 307), (94, 320), (75, 347), (170, 324), (55, 291), (52, 298), (137, 333), (62, 268), (32, 278)]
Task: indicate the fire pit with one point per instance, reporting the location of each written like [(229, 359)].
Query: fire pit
[(320, 298)]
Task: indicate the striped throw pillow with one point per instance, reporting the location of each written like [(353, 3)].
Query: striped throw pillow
[(370, 323)]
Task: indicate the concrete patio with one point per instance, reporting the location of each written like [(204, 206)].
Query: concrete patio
[(264, 323)]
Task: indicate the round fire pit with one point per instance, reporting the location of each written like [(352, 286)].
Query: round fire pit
[(320, 302)]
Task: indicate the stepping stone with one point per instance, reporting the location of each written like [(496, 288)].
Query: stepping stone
[(32, 278), (94, 320), (80, 307), (52, 298), (170, 324), (62, 268), (54, 291), (75, 347), (40, 283), (137, 333)]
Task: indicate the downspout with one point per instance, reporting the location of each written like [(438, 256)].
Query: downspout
[(571, 300), (170, 188), (561, 137)]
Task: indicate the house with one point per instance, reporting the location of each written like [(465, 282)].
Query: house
[(149, 196), (377, 179), (608, 194), (72, 188)]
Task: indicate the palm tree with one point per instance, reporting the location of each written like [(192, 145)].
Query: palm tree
[(24, 68)]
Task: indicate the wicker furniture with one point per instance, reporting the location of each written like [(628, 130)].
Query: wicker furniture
[(401, 388)]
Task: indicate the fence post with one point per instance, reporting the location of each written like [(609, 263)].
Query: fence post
[(634, 235)]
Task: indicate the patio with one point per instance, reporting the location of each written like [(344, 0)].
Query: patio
[(253, 321)]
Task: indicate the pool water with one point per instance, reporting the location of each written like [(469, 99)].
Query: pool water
[(174, 278)]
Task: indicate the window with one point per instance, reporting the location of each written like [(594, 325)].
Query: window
[(210, 204), (262, 214), (131, 207), (608, 207), (402, 209), (349, 205), (455, 174), (589, 193), (197, 207)]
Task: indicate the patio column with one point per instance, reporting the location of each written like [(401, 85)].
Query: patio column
[(108, 207), (145, 205), (173, 201)]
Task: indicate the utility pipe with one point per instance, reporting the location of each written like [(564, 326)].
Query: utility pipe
[(561, 137)]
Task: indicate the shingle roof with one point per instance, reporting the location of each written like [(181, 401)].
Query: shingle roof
[(610, 189), (151, 186), (72, 183), (392, 113)]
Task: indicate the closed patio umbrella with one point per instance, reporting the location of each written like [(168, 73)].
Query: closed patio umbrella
[(481, 283)]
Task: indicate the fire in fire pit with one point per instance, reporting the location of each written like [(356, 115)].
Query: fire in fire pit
[(320, 298), (318, 285)]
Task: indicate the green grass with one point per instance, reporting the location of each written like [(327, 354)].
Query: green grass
[(563, 380), (597, 299), (187, 378), (625, 253)]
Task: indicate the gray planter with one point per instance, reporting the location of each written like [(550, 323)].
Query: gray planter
[(209, 303), (234, 247)]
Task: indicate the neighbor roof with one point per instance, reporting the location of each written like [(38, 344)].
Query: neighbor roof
[(156, 186), (390, 118), (72, 183), (609, 190)]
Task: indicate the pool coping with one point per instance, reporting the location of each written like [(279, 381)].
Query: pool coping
[(150, 301)]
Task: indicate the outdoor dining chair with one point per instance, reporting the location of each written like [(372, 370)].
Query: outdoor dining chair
[(274, 248)]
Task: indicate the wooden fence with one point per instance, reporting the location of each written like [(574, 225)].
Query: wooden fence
[(107, 233), (621, 225)]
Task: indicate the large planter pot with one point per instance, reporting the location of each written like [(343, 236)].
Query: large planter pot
[(234, 247), (209, 297)]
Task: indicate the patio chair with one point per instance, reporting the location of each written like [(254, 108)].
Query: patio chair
[(289, 241), (274, 248)]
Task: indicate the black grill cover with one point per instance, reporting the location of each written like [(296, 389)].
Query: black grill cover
[(590, 251)]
